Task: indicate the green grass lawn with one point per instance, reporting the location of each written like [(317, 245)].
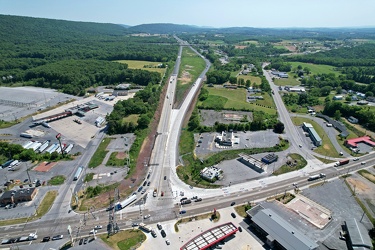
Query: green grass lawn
[(253, 79), (327, 148), (57, 180), (191, 67), (131, 118), (268, 101), (145, 65), (114, 161), (124, 240), (316, 68), (233, 99), (89, 177), (100, 153), (300, 163), (287, 81)]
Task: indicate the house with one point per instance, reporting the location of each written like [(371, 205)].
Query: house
[(353, 120), (361, 95), (338, 97), (307, 127)]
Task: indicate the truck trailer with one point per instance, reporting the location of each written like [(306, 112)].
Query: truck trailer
[(342, 162), (315, 177), (126, 202)]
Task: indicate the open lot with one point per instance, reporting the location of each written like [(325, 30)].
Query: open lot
[(19, 102), (209, 117), (145, 65)]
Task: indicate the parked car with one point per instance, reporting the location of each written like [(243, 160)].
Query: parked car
[(85, 241), (80, 241), (58, 237), (240, 229), (233, 215), (167, 242), (46, 239), (163, 233), (159, 226), (146, 216), (199, 199)]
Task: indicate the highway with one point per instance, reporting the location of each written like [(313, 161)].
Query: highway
[(162, 165)]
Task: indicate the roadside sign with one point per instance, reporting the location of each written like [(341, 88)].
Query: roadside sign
[(58, 136)]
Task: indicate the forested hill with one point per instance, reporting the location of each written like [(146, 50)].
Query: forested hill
[(17, 28), (165, 28), (72, 56)]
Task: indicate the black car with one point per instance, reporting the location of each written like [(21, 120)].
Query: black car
[(199, 199), (165, 177), (148, 183), (233, 203), (240, 229), (163, 233), (159, 226), (80, 241), (233, 215), (145, 183), (46, 239)]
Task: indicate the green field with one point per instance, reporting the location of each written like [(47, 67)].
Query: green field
[(191, 67), (287, 81), (131, 118), (327, 148), (124, 240), (253, 79), (57, 180), (233, 99), (146, 65), (100, 153), (316, 68)]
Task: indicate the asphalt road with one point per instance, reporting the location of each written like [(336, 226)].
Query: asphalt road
[(163, 163)]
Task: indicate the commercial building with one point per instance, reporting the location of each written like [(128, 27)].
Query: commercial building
[(364, 139), (251, 162), (356, 235), (296, 89), (17, 196), (211, 173), (277, 232), (268, 159), (280, 74), (338, 97), (99, 121), (307, 127)]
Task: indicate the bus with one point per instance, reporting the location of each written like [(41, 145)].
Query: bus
[(78, 173)]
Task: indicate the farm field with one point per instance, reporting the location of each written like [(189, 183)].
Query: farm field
[(287, 81), (316, 68), (233, 99), (145, 65)]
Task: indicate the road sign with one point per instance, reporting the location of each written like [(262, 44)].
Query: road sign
[(58, 136)]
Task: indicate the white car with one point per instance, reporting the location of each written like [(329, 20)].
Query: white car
[(356, 159), (92, 231), (147, 216), (363, 163), (98, 227)]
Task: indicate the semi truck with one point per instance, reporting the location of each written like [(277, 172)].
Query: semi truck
[(342, 162), (145, 228), (315, 177), (125, 203), (43, 147)]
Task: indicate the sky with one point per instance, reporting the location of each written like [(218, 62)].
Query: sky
[(212, 13)]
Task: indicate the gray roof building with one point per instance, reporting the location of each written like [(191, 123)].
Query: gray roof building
[(281, 231), (358, 235)]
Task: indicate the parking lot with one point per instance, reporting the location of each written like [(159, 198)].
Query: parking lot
[(205, 143), (241, 240)]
